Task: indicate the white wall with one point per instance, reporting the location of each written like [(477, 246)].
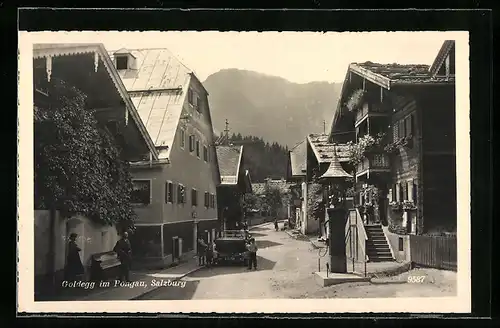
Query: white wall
[(92, 238)]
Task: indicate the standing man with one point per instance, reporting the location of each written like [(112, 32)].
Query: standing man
[(276, 224), (124, 251), (202, 249), (252, 250)]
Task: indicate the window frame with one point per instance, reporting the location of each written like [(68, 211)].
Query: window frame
[(169, 194), (150, 184), (194, 197), (183, 138), (205, 153), (181, 200), (120, 59)]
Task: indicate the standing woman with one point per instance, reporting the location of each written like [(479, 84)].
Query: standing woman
[(74, 266)]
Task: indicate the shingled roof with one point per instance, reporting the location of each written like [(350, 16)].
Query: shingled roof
[(229, 159), (281, 184), (157, 84), (298, 156), (323, 150)]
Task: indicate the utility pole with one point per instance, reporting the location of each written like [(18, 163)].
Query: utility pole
[(226, 130), (324, 127)]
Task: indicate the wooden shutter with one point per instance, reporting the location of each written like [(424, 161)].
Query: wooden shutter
[(402, 129), (409, 187), (395, 132), (415, 194), (398, 192), (390, 195), (411, 125)]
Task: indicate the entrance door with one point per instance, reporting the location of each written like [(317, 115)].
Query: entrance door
[(382, 210), (175, 248)]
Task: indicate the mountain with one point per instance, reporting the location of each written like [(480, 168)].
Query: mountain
[(268, 106)]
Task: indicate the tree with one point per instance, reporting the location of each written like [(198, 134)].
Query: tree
[(78, 166), (250, 202), (272, 198)]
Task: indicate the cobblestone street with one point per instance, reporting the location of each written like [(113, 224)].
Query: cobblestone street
[(285, 270)]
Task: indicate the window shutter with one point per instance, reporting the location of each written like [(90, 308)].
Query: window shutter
[(389, 195), (415, 194), (398, 192), (411, 125), (402, 129), (395, 132), (410, 190)]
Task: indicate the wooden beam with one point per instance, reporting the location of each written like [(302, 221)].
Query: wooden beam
[(370, 76)]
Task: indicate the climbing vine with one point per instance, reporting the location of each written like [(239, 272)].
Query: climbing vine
[(315, 201), (78, 166)]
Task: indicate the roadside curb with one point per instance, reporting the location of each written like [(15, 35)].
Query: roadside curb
[(138, 297), (404, 267)]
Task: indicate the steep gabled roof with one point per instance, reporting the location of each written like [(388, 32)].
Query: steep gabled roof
[(446, 48), (60, 49), (298, 157), (158, 86), (389, 75), (229, 159), (323, 150), (123, 51)]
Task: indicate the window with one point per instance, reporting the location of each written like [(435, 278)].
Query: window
[(406, 191), (415, 193), (191, 143), (408, 126), (169, 192), (205, 153), (198, 148), (214, 205), (190, 97), (141, 192), (199, 104), (183, 139), (181, 194), (394, 193), (121, 62), (194, 197), (402, 129), (207, 200)]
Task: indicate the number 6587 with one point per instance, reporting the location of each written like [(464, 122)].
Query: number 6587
[(416, 279)]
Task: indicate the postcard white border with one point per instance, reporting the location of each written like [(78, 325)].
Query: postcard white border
[(459, 304)]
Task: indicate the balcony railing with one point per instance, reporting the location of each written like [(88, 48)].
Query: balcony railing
[(376, 163), (371, 109)]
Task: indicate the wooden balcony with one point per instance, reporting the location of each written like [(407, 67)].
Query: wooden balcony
[(375, 163), (370, 110)]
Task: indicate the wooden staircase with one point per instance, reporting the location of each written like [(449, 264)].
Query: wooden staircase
[(377, 248)]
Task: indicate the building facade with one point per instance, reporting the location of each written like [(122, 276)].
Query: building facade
[(89, 69), (175, 194), (235, 184), (405, 114)]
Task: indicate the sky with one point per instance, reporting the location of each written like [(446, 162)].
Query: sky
[(299, 57)]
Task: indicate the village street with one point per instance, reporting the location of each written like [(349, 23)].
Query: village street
[(285, 270)]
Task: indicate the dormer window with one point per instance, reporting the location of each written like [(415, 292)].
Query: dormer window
[(124, 59), (121, 62)]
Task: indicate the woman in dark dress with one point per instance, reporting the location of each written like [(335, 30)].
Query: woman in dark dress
[(74, 266)]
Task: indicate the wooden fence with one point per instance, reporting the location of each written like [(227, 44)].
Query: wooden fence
[(434, 251)]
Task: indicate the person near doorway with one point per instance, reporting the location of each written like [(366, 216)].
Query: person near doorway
[(124, 251), (252, 253), (276, 224), (201, 250), (74, 266), (209, 254)]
